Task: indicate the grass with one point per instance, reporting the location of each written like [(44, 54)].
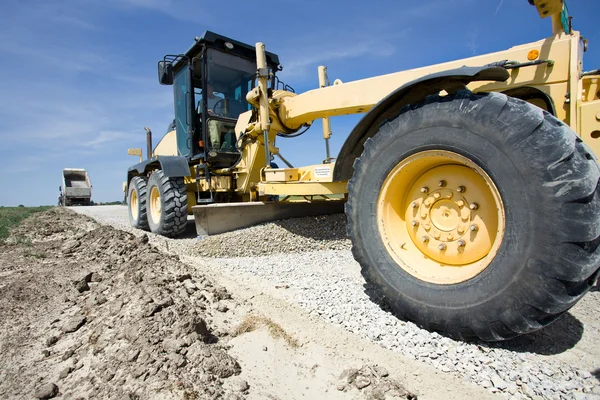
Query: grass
[(12, 216), (254, 322)]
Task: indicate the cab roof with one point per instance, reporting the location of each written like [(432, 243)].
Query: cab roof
[(216, 41)]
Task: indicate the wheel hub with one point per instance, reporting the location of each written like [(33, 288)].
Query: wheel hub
[(440, 224), (440, 216), (133, 204), (444, 215), (155, 206)]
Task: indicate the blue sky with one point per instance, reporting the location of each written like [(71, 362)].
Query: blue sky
[(78, 77)]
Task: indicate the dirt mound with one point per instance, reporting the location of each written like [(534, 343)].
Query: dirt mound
[(295, 235), (92, 312), (56, 223)]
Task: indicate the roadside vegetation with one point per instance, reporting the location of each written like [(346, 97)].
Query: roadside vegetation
[(12, 216)]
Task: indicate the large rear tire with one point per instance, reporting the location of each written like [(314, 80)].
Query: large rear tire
[(477, 216), (167, 204), (136, 203)]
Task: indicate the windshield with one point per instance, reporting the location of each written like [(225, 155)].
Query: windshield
[(229, 79)]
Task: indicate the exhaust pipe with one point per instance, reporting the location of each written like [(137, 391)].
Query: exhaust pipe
[(148, 142)]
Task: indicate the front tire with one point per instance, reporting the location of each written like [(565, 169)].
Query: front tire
[(167, 204), (477, 216)]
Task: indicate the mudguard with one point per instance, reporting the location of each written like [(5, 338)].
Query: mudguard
[(172, 166), (413, 92)]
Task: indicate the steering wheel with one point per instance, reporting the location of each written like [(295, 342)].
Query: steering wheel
[(219, 108)]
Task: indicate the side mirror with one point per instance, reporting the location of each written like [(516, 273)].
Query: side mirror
[(165, 72)]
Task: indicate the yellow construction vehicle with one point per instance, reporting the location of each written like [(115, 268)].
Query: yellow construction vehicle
[(470, 187)]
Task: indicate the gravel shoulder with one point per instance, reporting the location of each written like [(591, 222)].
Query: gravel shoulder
[(324, 285)]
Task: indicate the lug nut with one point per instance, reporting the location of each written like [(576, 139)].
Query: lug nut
[(424, 189), (442, 246), (460, 203), (415, 223), (474, 227), (436, 195), (474, 206), (461, 243), (442, 183), (461, 189), (414, 204), (425, 239), (460, 230)]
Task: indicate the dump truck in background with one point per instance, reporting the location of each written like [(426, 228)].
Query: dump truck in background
[(76, 188)]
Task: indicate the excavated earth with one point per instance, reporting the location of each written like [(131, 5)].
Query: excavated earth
[(92, 312)]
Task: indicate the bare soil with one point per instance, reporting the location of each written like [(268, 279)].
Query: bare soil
[(92, 312)]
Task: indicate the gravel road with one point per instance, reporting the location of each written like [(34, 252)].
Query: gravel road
[(309, 262)]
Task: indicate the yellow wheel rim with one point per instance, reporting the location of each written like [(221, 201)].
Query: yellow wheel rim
[(440, 216), (133, 204), (155, 208)]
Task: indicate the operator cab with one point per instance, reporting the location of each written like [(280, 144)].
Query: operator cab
[(210, 82)]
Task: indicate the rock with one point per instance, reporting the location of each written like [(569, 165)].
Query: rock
[(68, 354), (349, 375), (172, 345), (201, 328), (498, 383), (184, 277), (241, 385), (51, 341), (584, 374), (381, 372), (96, 277), (221, 294), (190, 286), (547, 372), (139, 371), (362, 381), (133, 356), (100, 299), (46, 353), (47, 391), (165, 302), (81, 286), (70, 246), (179, 361), (341, 386), (108, 375), (74, 324), (115, 307), (143, 239), (527, 391), (65, 372), (222, 307)]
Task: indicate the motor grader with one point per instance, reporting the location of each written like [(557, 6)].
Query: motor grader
[(470, 187)]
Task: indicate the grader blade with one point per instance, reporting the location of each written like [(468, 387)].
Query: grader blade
[(218, 218)]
